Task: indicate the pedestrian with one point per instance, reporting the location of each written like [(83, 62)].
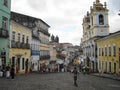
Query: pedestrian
[(3, 70), (75, 72), (12, 72), (8, 71)]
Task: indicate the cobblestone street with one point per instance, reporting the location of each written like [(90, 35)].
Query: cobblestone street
[(58, 81)]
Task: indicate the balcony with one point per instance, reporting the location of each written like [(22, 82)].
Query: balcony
[(45, 57), (4, 33), (35, 52), (13, 44), (22, 45), (18, 44), (27, 45)]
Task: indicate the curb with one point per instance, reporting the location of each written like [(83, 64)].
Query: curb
[(113, 78), (46, 72)]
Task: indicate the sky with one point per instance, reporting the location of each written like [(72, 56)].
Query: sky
[(65, 16)]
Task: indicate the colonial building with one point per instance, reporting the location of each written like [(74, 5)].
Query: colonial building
[(43, 27), (109, 53), (53, 54), (20, 39), (95, 25), (4, 31), (39, 41), (35, 51)]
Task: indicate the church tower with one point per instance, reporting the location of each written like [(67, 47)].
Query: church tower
[(99, 25), (95, 25)]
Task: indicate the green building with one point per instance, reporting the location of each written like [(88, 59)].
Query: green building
[(5, 6)]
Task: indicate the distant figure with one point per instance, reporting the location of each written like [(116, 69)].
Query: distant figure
[(8, 71), (12, 72), (3, 70), (75, 72)]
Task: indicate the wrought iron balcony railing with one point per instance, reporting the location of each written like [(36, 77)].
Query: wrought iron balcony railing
[(13, 44)]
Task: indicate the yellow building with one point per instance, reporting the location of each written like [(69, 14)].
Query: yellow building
[(44, 42), (95, 25), (20, 38), (53, 54), (109, 53), (44, 48)]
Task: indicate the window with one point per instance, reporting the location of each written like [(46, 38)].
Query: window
[(109, 66), (105, 51), (101, 19), (6, 2), (23, 38), (18, 37), (114, 50), (23, 65), (5, 23), (102, 52), (109, 51), (13, 36), (27, 39)]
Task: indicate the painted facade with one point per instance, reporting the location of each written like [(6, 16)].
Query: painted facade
[(95, 25), (35, 53), (44, 43), (5, 6), (20, 39), (40, 38), (109, 53), (53, 54)]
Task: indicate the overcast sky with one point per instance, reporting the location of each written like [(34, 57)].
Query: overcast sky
[(65, 16)]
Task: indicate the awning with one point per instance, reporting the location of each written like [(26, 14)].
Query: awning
[(60, 61)]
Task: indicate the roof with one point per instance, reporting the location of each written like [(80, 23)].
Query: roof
[(110, 35), (27, 16)]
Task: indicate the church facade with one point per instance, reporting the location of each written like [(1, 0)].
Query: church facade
[(95, 25)]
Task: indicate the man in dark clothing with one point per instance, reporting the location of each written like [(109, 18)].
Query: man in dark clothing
[(12, 72), (75, 72)]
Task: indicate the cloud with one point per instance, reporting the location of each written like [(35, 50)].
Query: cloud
[(65, 16), (114, 19), (115, 4), (38, 5)]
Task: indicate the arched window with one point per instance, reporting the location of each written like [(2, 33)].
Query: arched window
[(101, 19), (6, 2)]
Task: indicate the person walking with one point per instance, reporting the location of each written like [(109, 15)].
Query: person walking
[(12, 72), (75, 72), (8, 71)]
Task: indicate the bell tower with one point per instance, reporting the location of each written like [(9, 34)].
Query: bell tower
[(99, 19)]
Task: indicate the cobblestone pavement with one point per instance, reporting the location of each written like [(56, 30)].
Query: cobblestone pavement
[(58, 81)]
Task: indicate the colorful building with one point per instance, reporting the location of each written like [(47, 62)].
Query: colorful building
[(53, 54), (4, 31), (95, 25), (109, 53), (20, 40), (40, 53), (44, 44), (35, 52)]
